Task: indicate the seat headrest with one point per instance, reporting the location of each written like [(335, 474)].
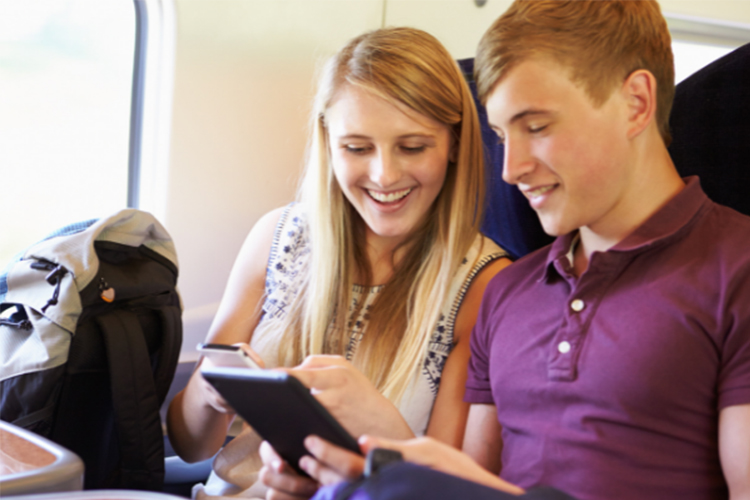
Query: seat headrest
[(710, 124), (508, 219)]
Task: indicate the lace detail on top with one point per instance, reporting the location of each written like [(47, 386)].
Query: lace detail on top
[(288, 261)]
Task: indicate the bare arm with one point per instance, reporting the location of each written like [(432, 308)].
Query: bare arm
[(332, 464), (198, 417), (449, 415), (483, 441), (734, 449)]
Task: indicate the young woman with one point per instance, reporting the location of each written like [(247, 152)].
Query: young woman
[(381, 261)]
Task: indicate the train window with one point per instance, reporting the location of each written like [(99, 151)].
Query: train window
[(71, 95), (697, 42), (66, 72)]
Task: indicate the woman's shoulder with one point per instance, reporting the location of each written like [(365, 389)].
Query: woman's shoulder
[(482, 252), (486, 246), (273, 224)]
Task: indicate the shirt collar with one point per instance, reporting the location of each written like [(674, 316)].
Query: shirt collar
[(666, 223)]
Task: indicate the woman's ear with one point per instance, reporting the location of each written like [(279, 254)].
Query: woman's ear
[(639, 90)]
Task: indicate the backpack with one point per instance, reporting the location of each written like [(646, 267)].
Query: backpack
[(90, 334), (399, 480)]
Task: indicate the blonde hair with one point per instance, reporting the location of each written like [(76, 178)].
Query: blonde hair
[(408, 66), (601, 42)]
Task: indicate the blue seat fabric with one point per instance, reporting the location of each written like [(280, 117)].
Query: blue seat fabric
[(508, 219)]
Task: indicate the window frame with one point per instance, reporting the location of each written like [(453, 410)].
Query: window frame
[(151, 106)]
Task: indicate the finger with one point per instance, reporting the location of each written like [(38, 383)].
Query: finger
[(318, 471), (315, 361), (267, 453), (420, 451), (367, 443), (337, 461), (279, 477), (272, 494), (319, 379), (250, 352)]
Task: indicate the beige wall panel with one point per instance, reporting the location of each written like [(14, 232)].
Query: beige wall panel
[(458, 24), (243, 84), (733, 11)]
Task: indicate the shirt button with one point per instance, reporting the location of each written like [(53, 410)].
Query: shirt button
[(577, 305), (564, 347)]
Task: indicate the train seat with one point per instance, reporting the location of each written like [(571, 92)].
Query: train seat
[(711, 129), (710, 138)]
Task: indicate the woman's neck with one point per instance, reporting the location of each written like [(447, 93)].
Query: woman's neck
[(383, 255)]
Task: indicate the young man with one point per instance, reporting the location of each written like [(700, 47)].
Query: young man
[(617, 360), (614, 363)]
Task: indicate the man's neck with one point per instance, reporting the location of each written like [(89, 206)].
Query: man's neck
[(656, 185)]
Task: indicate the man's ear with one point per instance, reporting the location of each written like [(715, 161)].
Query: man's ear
[(639, 90)]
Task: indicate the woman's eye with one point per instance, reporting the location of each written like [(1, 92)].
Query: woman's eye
[(537, 128), (413, 149), (358, 150)]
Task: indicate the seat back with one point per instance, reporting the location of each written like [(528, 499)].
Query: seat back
[(508, 219), (711, 129)]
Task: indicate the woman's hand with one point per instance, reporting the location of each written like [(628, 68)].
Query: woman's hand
[(283, 481), (350, 397), (209, 394)]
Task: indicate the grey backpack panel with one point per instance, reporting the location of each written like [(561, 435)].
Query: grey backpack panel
[(90, 333)]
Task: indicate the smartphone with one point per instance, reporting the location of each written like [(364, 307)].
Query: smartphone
[(280, 409), (227, 355)]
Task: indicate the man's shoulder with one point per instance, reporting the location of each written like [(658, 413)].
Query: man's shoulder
[(530, 267), (727, 228)]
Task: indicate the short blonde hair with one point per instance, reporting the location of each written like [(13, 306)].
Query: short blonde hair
[(601, 42)]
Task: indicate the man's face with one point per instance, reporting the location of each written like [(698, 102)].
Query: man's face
[(568, 157)]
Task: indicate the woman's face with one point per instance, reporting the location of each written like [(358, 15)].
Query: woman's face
[(389, 160)]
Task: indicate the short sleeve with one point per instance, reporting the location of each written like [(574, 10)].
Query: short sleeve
[(734, 374), (478, 387)]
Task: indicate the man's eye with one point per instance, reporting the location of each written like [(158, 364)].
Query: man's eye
[(536, 129)]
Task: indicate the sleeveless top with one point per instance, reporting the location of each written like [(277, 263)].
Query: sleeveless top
[(290, 252), (235, 469)]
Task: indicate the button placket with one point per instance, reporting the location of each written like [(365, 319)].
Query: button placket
[(579, 310), (565, 349)]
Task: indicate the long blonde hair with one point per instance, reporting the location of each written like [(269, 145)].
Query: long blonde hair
[(408, 66)]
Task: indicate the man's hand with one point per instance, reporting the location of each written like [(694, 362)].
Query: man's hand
[(209, 394), (441, 457), (332, 464)]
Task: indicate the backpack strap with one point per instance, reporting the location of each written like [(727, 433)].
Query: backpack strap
[(134, 399), (171, 319)]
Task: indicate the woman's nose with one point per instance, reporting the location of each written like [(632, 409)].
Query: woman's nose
[(384, 169)]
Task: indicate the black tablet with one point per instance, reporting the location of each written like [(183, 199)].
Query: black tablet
[(280, 409)]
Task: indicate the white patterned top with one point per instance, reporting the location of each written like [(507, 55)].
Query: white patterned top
[(288, 259)]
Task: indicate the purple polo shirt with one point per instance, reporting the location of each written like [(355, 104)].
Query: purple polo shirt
[(609, 386)]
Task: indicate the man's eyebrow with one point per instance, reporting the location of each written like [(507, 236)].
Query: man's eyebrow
[(528, 112), (523, 114)]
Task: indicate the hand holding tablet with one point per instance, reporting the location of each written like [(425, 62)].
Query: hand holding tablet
[(280, 409)]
